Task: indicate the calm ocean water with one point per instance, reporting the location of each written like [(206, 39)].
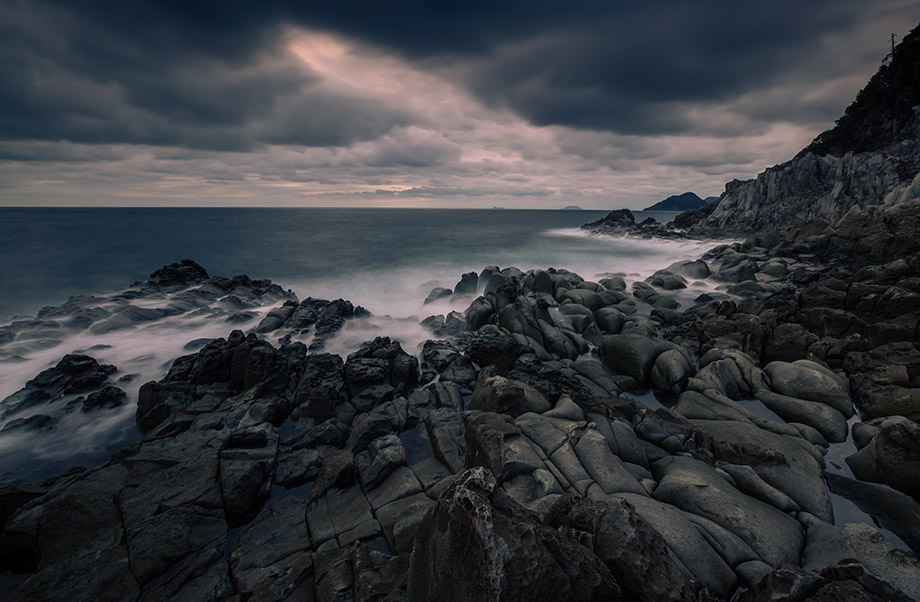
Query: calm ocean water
[(48, 254)]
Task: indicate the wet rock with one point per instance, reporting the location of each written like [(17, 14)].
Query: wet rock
[(667, 280), (693, 269), (35, 422), (740, 271), (106, 398), (179, 274), (74, 374)]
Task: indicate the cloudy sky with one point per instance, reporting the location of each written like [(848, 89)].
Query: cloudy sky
[(538, 103)]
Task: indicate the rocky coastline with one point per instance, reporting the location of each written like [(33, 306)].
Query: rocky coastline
[(560, 439), (569, 439)]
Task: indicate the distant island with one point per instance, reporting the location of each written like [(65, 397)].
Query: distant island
[(682, 202), (571, 208)]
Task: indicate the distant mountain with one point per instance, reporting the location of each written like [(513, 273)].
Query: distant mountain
[(571, 208), (682, 202)]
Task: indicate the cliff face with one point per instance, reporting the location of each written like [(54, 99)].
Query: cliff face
[(814, 187), (872, 153)]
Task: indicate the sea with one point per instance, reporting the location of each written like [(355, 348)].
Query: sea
[(371, 256)]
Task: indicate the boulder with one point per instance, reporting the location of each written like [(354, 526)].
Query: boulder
[(671, 372), (631, 354), (806, 380)]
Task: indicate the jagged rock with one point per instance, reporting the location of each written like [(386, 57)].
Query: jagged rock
[(478, 544), (495, 393), (72, 375), (437, 293), (635, 554)]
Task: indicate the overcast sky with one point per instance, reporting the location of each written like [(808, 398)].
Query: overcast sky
[(420, 104)]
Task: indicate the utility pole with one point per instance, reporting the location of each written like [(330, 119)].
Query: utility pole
[(892, 45)]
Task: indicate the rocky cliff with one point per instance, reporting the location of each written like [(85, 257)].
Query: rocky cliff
[(869, 159)]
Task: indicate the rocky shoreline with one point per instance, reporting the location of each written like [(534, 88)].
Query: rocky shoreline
[(560, 438)]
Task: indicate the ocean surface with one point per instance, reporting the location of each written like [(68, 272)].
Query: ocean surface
[(48, 254)]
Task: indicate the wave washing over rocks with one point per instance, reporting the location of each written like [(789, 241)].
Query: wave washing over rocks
[(561, 438)]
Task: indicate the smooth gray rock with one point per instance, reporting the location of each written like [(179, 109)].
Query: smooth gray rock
[(788, 463), (825, 419), (803, 381), (671, 372), (693, 553), (827, 546), (631, 354), (695, 487)]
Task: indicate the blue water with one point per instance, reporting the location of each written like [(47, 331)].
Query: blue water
[(48, 254)]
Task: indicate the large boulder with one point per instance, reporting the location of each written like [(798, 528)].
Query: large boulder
[(671, 372), (631, 354), (807, 380)]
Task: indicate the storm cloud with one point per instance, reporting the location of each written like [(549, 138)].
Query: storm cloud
[(520, 103)]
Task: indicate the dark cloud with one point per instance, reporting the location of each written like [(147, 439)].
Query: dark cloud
[(151, 77), (199, 74), (510, 100)]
